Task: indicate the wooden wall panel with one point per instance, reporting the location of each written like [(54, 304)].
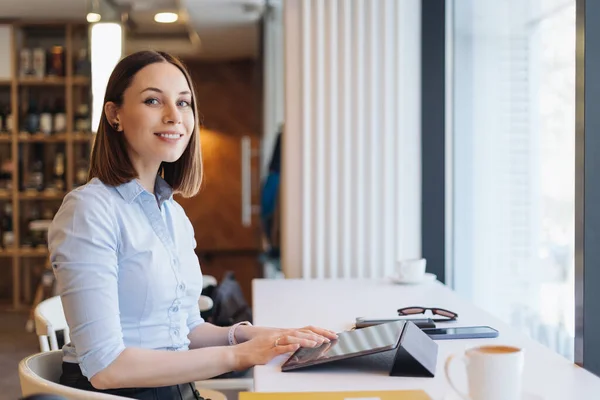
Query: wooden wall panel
[(229, 96)]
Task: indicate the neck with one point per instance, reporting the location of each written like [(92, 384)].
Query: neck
[(148, 180), (147, 172)]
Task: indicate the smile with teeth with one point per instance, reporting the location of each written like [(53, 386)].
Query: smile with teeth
[(169, 135)]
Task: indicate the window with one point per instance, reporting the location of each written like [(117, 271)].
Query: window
[(513, 135)]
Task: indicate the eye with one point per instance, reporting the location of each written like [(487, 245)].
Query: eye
[(183, 103), (153, 101)]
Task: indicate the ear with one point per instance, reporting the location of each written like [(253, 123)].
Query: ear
[(112, 114)]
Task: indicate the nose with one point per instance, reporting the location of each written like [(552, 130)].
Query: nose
[(172, 115)]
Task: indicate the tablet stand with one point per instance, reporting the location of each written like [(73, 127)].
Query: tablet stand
[(416, 355)]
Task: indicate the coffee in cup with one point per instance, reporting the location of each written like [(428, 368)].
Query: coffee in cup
[(494, 372)]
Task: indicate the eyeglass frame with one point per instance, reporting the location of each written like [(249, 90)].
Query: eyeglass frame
[(433, 311)]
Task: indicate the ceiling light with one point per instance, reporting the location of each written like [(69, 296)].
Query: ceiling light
[(93, 17), (166, 17), (93, 11)]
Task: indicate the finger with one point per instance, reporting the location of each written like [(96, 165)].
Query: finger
[(304, 342), (321, 331), (288, 348), (306, 334)]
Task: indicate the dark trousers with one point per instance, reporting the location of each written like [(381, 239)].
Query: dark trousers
[(72, 377)]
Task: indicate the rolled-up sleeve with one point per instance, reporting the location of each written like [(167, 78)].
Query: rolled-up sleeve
[(194, 318), (83, 251)]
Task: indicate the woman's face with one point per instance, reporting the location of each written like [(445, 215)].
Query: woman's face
[(156, 116)]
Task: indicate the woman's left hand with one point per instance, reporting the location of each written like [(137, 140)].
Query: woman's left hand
[(309, 336)]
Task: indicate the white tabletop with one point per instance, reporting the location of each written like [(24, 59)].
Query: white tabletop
[(335, 304)]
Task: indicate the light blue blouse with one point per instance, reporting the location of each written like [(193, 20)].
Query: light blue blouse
[(126, 271)]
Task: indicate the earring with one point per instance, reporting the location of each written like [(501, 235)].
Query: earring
[(116, 126)]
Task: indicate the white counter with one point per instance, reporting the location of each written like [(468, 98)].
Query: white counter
[(334, 304)]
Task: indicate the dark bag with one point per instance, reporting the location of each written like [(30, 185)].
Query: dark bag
[(230, 306)]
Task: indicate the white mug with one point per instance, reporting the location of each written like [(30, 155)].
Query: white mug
[(411, 270), (493, 373)]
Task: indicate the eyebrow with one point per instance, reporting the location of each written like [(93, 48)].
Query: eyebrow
[(153, 89)]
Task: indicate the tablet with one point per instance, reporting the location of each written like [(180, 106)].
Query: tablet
[(349, 344)]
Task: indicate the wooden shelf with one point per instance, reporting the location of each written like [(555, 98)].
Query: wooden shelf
[(25, 137), (83, 137), (81, 80), (33, 252), (70, 89), (44, 195), (48, 81), (24, 252), (7, 252)]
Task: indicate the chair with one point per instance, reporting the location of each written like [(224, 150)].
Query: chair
[(205, 303), (49, 317), (40, 373)]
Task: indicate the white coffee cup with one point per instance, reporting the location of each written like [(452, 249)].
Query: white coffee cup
[(493, 372), (411, 270)]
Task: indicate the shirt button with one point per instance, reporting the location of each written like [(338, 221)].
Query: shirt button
[(175, 309), (181, 286), (176, 332)]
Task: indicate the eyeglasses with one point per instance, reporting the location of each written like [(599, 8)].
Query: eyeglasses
[(450, 315)]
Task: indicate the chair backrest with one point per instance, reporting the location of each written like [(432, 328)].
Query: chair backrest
[(40, 374), (49, 318), (205, 303)]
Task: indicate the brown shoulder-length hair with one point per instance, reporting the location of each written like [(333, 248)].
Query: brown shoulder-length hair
[(110, 161)]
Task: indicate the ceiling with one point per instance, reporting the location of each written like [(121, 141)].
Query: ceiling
[(207, 29)]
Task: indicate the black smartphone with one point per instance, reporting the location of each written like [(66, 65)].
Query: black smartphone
[(467, 332), (364, 322)]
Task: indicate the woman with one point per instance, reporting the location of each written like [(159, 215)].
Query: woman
[(123, 250)]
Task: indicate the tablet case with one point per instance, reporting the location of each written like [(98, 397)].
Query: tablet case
[(415, 356), (371, 395)]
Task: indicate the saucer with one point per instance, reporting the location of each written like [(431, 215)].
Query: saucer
[(428, 277), (524, 396)]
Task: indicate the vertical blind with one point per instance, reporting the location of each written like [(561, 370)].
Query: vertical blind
[(351, 164)]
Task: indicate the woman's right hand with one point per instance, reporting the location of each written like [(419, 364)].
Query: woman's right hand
[(259, 351)]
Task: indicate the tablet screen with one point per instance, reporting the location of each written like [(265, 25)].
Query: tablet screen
[(364, 341)]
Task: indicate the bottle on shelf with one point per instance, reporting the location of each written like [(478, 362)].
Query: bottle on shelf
[(59, 173), (56, 64), (3, 115), (9, 119), (60, 117), (81, 173), (6, 176), (26, 62), (83, 65), (8, 236), (46, 119), (39, 62), (32, 216), (82, 119), (32, 118), (35, 179)]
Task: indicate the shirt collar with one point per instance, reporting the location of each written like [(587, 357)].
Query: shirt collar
[(132, 189)]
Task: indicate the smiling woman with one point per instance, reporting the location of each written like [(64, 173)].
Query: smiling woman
[(122, 250)]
